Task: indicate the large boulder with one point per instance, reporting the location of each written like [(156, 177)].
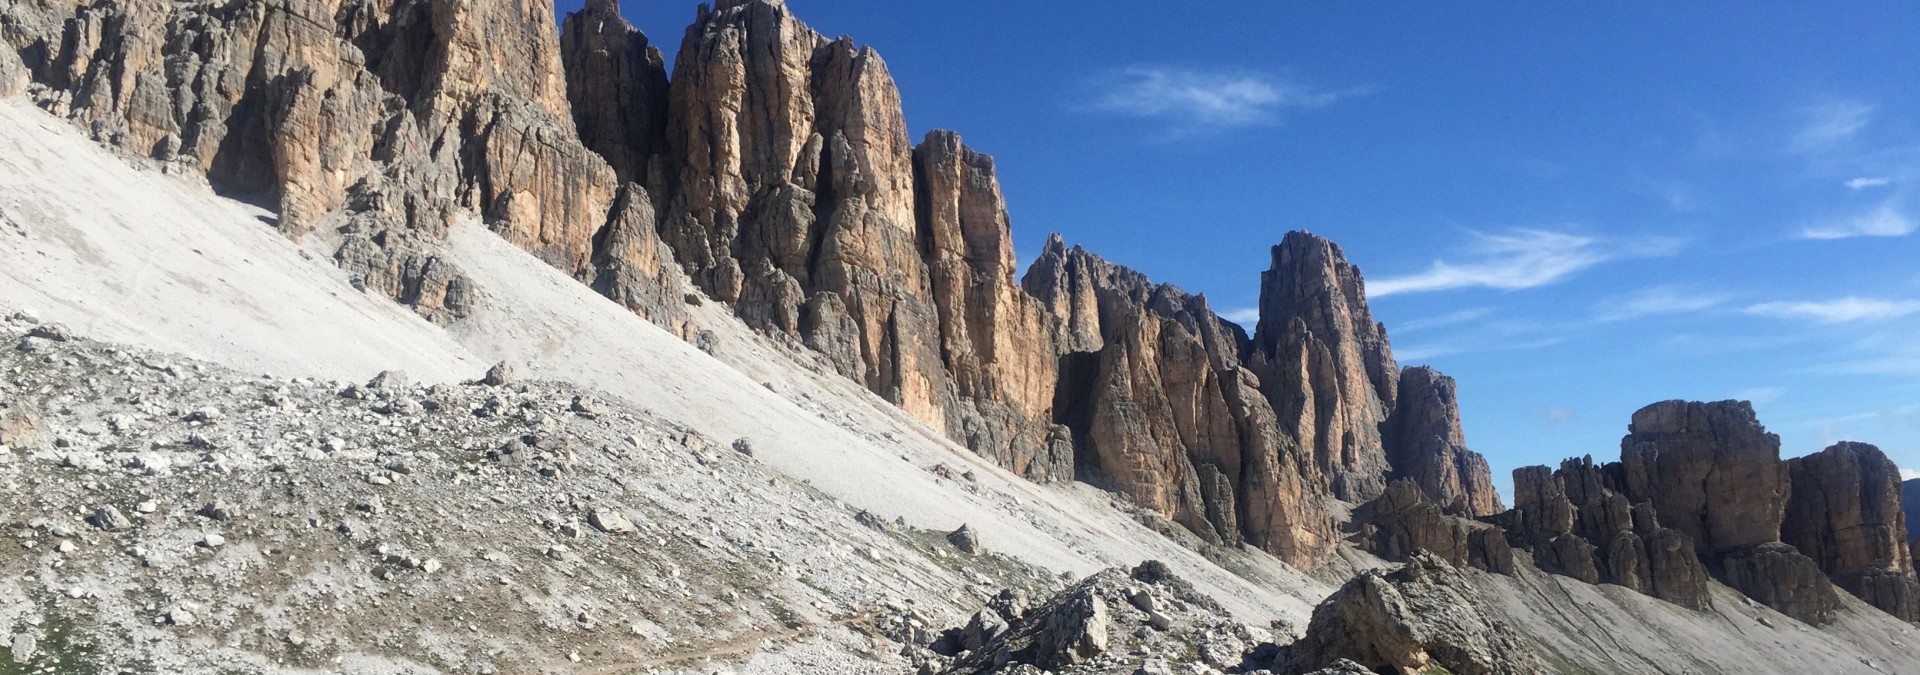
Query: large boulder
[(1423, 617)]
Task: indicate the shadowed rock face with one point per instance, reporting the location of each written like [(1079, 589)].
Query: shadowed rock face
[(1424, 443), (1713, 472), (1910, 506), (1698, 480), (1324, 364), (1160, 408), (617, 84), (1845, 513), (1578, 523), (1710, 470), (1403, 520)]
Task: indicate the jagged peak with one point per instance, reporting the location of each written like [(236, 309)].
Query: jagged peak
[(607, 8)]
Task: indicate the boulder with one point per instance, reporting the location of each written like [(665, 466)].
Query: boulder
[(1423, 617)]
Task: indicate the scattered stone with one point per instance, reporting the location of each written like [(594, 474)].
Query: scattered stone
[(24, 647), (743, 446), (217, 509), (965, 540), (110, 519), (212, 540), (389, 380), (499, 375), (51, 332), (609, 521)]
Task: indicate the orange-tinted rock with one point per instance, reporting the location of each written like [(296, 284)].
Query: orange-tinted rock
[(1324, 364), (1160, 408)]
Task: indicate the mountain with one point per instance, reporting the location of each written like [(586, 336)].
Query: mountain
[(812, 321)]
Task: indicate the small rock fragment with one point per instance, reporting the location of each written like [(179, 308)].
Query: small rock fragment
[(110, 519), (609, 521)]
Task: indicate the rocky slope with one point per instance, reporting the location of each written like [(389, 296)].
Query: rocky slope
[(773, 172), (775, 169)]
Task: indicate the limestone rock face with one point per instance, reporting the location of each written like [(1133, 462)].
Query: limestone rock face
[(1419, 618), (1403, 520), (1324, 364), (1424, 443), (995, 338), (617, 84), (1910, 505), (398, 114), (1579, 523), (1782, 578), (1845, 513), (1159, 408), (791, 182), (1711, 471), (636, 269)]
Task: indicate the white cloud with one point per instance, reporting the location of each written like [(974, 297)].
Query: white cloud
[(1655, 301), (1865, 182), (1832, 123), (1556, 415), (1520, 259), (1442, 321), (1433, 351), (1909, 474), (1760, 395), (1201, 99), (1884, 221), (1245, 316), (1838, 310)]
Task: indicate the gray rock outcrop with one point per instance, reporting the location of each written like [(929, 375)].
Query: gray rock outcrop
[(1423, 617)]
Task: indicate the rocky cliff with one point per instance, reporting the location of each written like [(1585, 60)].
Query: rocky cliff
[(1705, 481), (1845, 512), (1425, 444), (1578, 522), (381, 119), (772, 171), (1324, 364), (1159, 407)]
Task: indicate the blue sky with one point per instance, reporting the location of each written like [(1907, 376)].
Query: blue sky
[(1576, 209)]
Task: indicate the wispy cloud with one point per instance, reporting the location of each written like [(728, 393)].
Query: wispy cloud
[(1198, 99), (1760, 395), (1839, 310), (1520, 259), (1557, 415), (1442, 321), (1830, 124), (1867, 182), (1656, 301), (1428, 352), (1886, 220), (1245, 316)]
